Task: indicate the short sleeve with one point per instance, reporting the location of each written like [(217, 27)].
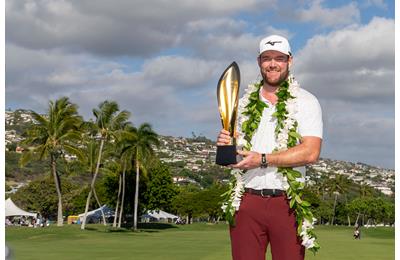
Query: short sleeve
[(309, 116)]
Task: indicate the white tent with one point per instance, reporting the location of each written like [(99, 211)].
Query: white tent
[(95, 215), (158, 215), (14, 210)]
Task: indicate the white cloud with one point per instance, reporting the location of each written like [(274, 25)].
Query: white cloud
[(353, 63), (330, 17), (180, 72), (139, 28), (283, 32), (351, 71), (217, 25), (222, 39), (167, 91)]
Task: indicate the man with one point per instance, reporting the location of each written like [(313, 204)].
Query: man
[(264, 216), (357, 234)]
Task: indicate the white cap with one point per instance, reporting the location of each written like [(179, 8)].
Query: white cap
[(275, 43)]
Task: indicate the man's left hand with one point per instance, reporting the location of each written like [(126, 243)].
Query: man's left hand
[(250, 160)]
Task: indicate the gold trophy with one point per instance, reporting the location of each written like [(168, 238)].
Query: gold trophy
[(228, 97)]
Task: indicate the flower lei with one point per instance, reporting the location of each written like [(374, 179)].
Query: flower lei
[(250, 111)]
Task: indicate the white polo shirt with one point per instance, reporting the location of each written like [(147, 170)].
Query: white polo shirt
[(309, 119)]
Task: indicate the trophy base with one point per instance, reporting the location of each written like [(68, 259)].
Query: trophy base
[(226, 155)]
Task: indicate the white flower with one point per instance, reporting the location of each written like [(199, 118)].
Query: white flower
[(289, 124), (307, 225), (250, 88), (242, 119), (285, 185), (241, 142), (224, 206), (244, 100), (236, 195), (236, 203), (294, 86), (308, 242)]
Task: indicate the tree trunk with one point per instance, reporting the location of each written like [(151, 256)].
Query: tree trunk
[(101, 209), (123, 196), (92, 184), (58, 189), (356, 223), (368, 222), (86, 209), (348, 216), (334, 208), (136, 195), (116, 207)]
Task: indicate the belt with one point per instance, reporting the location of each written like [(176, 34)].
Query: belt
[(265, 192)]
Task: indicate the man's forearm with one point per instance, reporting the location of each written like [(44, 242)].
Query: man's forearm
[(305, 153)]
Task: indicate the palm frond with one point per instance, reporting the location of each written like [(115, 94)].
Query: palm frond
[(71, 149), (26, 158)]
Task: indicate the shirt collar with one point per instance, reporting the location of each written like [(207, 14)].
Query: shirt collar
[(264, 99)]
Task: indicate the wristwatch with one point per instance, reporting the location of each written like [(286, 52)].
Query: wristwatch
[(264, 162)]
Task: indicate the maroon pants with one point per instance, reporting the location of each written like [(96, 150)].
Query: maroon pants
[(261, 221)]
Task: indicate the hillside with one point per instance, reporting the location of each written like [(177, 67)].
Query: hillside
[(192, 160)]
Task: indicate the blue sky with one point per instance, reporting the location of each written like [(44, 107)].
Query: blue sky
[(161, 61)]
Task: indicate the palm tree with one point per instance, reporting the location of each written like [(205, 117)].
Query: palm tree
[(322, 187), (141, 148), (127, 137), (338, 185), (125, 161), (365, 190), (51, 136), (108, 122), (90, 150), (112, 167), (122, 164)]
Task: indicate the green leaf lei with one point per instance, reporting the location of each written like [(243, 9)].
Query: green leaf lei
[(253, 110)]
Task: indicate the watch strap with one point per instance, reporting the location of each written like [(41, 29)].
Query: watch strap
[(264, 162)]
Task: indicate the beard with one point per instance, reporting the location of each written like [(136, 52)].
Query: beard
[(275, 83)]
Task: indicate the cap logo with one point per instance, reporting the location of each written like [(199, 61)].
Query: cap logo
[(273, 43)]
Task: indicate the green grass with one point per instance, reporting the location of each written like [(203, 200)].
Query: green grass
[(188, 242), (338, 243)]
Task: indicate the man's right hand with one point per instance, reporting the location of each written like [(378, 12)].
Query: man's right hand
[(224, 138)]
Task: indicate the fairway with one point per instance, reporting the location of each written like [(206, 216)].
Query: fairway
[(197, 241)]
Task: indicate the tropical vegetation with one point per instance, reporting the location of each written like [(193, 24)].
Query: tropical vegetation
[(76, 166)]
